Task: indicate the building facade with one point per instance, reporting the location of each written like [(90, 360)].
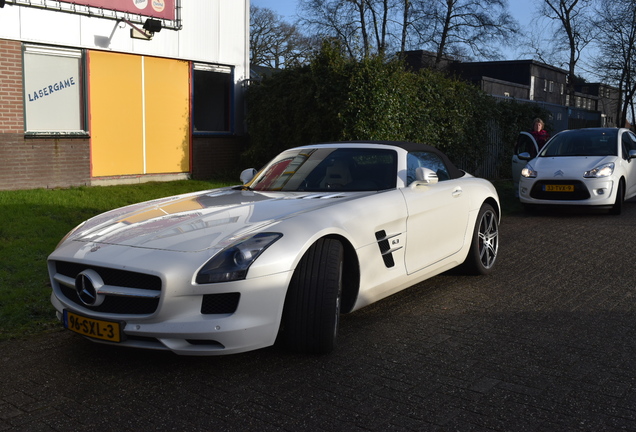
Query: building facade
[(96, 92), (591, 105), (541, 83), (602, 98)]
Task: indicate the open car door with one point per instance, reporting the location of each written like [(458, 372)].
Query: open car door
[(525, 144)]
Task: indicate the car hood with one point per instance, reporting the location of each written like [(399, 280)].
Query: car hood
[(567, 166), (200, 221)]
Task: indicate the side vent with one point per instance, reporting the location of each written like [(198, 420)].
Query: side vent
[(385, 248)]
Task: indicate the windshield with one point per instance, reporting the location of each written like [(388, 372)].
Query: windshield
[(328, 169), (584, 142)]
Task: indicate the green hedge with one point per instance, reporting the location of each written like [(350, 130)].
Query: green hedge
[(335, 98)]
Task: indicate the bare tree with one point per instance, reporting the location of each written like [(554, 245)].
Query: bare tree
[(573, 30), (406, 13), (275, 43), (458, 27), (617, 50), (380, 16), (364, 27), (466, 28)]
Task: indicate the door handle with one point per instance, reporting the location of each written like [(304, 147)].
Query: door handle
[(457, 192)]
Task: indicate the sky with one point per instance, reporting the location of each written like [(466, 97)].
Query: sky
[(521, 10)]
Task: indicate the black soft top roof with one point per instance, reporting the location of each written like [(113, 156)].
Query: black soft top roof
[(453, 171)]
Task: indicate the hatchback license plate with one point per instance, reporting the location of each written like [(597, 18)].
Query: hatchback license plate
[(558, 188), (98, 329)]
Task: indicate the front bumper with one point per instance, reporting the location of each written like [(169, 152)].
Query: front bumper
[(182, 324), (588, 192)]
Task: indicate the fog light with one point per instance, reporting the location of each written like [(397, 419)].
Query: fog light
[(524, 190), (600, 191)]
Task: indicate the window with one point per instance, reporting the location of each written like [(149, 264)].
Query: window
[(628, 142), (426, 160), (324, 169), (54, 97), (551, 86), (525, 144), (212, 98)]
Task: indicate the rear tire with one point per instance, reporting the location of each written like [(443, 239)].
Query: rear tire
[(311, 314), (485, 243), (617, 208)]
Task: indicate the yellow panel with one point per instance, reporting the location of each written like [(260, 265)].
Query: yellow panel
[(167, 115), (116, 114)]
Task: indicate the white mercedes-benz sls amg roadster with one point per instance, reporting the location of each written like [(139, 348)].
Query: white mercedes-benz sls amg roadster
[(321, 230)]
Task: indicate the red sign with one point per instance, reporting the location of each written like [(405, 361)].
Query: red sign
[(164, 9)]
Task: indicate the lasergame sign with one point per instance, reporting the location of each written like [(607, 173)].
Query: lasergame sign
[(164, 9)]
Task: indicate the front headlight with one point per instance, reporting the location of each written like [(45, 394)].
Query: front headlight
[(233, 261), (604, 170), (529, 172)]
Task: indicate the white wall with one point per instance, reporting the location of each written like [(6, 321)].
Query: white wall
[(213, 31)]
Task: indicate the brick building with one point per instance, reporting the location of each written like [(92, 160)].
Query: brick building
[(97, 92), (536, 82)]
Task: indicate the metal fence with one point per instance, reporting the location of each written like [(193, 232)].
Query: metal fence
[(496, 162)]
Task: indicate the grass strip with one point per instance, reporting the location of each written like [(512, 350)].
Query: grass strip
[(32, 224)]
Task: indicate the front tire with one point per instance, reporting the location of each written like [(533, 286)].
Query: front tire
[(617, 208), (485, 243), (311, 314)]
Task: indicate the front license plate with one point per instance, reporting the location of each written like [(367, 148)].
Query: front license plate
[(558, 188), (98, 329)]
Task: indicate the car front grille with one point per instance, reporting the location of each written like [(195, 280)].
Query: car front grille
[(116, 304), (580, 190)]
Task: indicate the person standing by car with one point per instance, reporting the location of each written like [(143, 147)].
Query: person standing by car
[(539, 133)]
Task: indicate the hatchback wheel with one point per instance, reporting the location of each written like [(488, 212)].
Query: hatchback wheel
[(617, 208)]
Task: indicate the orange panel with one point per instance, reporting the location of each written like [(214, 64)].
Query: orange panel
[(167, 115), (116, 113)]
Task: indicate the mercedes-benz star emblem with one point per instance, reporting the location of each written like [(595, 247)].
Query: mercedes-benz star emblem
[(88, 285)]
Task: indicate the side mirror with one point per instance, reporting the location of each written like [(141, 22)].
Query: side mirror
[(632, 155), (425, 175), (247, 175), (525, 156)]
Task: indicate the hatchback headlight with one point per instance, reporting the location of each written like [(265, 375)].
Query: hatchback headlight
[(232, 262), (529, 172), (604, 170)]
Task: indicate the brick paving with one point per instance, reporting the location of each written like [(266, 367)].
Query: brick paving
[(544, 343)]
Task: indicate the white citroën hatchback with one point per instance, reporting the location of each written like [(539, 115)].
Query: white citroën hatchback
[(582, 167)]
